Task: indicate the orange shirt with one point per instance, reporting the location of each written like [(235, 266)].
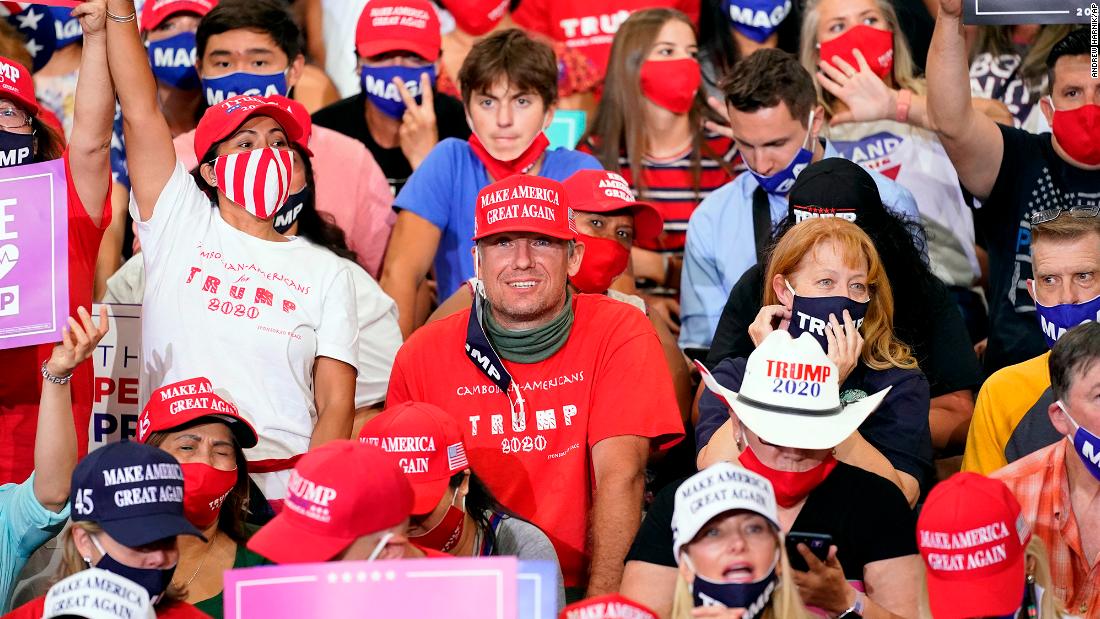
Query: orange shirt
[(1041, 485)]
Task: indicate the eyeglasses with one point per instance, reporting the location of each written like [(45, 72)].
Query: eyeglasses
[(1050, 214), (13, 118)]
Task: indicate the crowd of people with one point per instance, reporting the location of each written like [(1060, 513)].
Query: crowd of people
[(801, 323)]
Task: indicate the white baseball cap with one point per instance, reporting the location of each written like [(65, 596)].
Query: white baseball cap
[(790, 395), (719, 488), (98, 594)]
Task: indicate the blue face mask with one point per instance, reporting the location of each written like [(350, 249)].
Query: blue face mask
[(173, 61), (153, 580), (1086, 444), (67, 28), (218, 89), (780, 183), (811, 315), (16, 149), (377, 84), (751, 596), (756, 19), (290, 210), (1056, 320)]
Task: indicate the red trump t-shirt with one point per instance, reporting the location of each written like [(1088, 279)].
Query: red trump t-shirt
[(609, 379)]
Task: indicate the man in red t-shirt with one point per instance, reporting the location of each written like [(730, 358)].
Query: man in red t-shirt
[(88, 174), (589, 25), (560, 397)]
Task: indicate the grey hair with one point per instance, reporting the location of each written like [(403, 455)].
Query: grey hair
[(1072, 356)]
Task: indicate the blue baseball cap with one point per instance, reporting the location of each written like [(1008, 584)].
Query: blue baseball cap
[(133, 491)]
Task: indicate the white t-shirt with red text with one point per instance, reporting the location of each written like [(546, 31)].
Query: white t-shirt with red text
[(249, 314), (609, 379)]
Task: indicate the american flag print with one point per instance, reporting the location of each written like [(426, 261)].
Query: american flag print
[(456, 457), (257, 180)]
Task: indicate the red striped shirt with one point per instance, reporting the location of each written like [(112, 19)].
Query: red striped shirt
[(670, 186)]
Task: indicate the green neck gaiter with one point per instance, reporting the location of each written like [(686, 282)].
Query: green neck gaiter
[(530, 345)]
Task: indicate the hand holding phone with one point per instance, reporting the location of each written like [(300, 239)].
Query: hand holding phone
[(818, 543)]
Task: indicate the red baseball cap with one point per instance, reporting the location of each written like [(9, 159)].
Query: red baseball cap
[(154, 12), (609, 606), (600, 191), (425, 442), (17, 84), (179, 403), (973, 540), (477, 17), (524, 203), (301, 115), (398, 25), (222, 120), (337, 493)]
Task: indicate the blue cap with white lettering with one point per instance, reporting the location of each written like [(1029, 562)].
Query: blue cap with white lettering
[(133, 491)]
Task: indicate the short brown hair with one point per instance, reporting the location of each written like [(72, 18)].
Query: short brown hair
[(1064, 228), (767, 78), (527, 64)]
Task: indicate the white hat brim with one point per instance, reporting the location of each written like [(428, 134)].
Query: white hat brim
[(798, 430)]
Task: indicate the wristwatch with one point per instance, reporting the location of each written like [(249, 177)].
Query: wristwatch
[(856, 610), (57, 380)]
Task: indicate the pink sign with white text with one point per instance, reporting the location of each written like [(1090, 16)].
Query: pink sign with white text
[(483, 588)]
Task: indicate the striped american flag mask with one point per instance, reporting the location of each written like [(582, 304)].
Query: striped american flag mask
[(256, 180)]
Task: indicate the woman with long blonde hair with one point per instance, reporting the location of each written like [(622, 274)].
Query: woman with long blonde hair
[(736, 525), (824, 276)]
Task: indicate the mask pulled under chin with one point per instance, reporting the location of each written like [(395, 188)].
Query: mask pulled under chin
[(790, 486), (154, 580), (781, 182), (16, 149), (751, 596), (256, 180), (500, 170), (603, 260)]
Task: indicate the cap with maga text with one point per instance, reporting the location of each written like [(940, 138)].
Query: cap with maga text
[(833, 187), (133, 491), (424, 442), (609, 606), (524, 203), (17, 84), (398, 25), (790, 395), (222, 120), (180, 403), (337, 493), (97, 594), (600, 191), (973, 540), (154, 12), (719, 488)]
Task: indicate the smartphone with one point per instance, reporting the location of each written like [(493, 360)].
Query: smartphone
[(818, 543)]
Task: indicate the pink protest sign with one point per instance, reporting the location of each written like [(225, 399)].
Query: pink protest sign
[(34, 267), (451, 588)]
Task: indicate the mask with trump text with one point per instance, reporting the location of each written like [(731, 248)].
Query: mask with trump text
[(811, 315)]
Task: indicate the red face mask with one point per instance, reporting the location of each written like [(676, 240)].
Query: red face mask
[(877, 47), (603, 261), (790, 487), (445, 535), (671, 84), (500, 170), (477, 17), (1078, 132), (204, 491), (257, 180)]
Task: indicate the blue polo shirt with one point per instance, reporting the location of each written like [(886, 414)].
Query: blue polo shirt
[(721, 246), (24, 526), (444, 190)]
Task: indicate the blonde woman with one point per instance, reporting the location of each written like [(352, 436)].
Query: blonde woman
[(729, 547), (1014, 578)]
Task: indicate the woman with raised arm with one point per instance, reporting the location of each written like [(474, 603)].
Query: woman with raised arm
[(270, 318)]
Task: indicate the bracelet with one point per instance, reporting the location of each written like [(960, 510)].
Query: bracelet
[(57, 380), (905, 99), (120, 19)]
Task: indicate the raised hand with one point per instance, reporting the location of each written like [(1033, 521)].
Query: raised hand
[(92, 15), (845, 344), (418, 132), (864, 93), (78, 342), (951, 8)]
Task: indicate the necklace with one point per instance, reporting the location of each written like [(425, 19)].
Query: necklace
[(202, 561)]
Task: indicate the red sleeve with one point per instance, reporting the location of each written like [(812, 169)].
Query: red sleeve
[(31, 610), (533, 15), (651, 412)]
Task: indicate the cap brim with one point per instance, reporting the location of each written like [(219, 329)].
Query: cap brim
[(282, 541), (995, 595), (523, 228), (376, 47), (798, 429), (426, 495), (648, 222), (142, 530), (157, 18)]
